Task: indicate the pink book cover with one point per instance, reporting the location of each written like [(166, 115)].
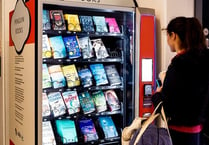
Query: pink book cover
[(113, 26)]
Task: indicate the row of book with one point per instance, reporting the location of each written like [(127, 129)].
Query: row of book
[(71, 102), (67, 130), (73, 47), (58, 76), (55, 20)]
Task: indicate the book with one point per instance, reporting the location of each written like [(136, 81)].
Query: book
[(86, 102), (100, 23), (73, 22), (112, 100), (86, 47), (58, 47), (86, 77), (71, 101), (57, 20), (113, 75), (48, 137), (99, 101), (99, 74), (46, 49), (45, 106), (46, 25), (46, 79), (72, 46), (58, 79), (99, 48), (67, 131), (108, 126), (113, 25), (87, 23), (71, 74), (88, 130), (56, 103)]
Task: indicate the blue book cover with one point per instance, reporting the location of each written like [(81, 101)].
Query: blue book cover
[(108, 126), (86, 102), (88, 130), (46, 25), (87, 23), (58, 47), (67, 131), (86, 77), (72, 46), (100, 23)]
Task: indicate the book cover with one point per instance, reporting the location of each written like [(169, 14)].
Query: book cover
[(48, 137), (72, 46), (99, 101), (99, 74), (73, 22), (46, 49), (57, 20), (100, 23), (58, 79), (46, 79), (99, 48), (67, 131), (45, 106), (113, 25), (112, 75), (71, 74), (87, 23), (56, 103), (58, 47), (86, 102), (88, 130), (108, 126), (112, 100), (46, 25), (86, 47), (71, 101), (86, 77)]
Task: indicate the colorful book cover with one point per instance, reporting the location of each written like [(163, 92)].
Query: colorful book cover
[(56, 103), (99, 101), (88, 130), (112, 75), (73, 22), (45, 106), (100, 23), (71, 101), (67, 131), (72, 46), (46, 25), (99, 74), (58, 79), (86, 47), (71, 74), (46, 49), (86, 77), (58, 47), (86, 102), (48, 137), (99, 48), (87, 23), (46, 80), (57, 19), (112, 100), (108, 126), (113, 25)]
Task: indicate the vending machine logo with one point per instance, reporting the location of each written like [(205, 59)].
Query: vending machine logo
[(20, 26)]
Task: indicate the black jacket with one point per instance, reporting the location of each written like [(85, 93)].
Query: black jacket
[(185, 89)]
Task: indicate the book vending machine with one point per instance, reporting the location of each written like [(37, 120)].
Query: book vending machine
[(72, 71)]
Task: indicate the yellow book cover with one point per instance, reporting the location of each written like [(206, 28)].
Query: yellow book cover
[(73, 22), (71, 75)]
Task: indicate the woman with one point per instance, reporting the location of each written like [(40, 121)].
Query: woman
[(185, 87)]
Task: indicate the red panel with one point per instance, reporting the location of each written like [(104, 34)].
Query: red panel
[(147, 50)]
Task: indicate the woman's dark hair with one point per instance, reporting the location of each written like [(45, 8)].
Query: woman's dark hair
[(189, 31)]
